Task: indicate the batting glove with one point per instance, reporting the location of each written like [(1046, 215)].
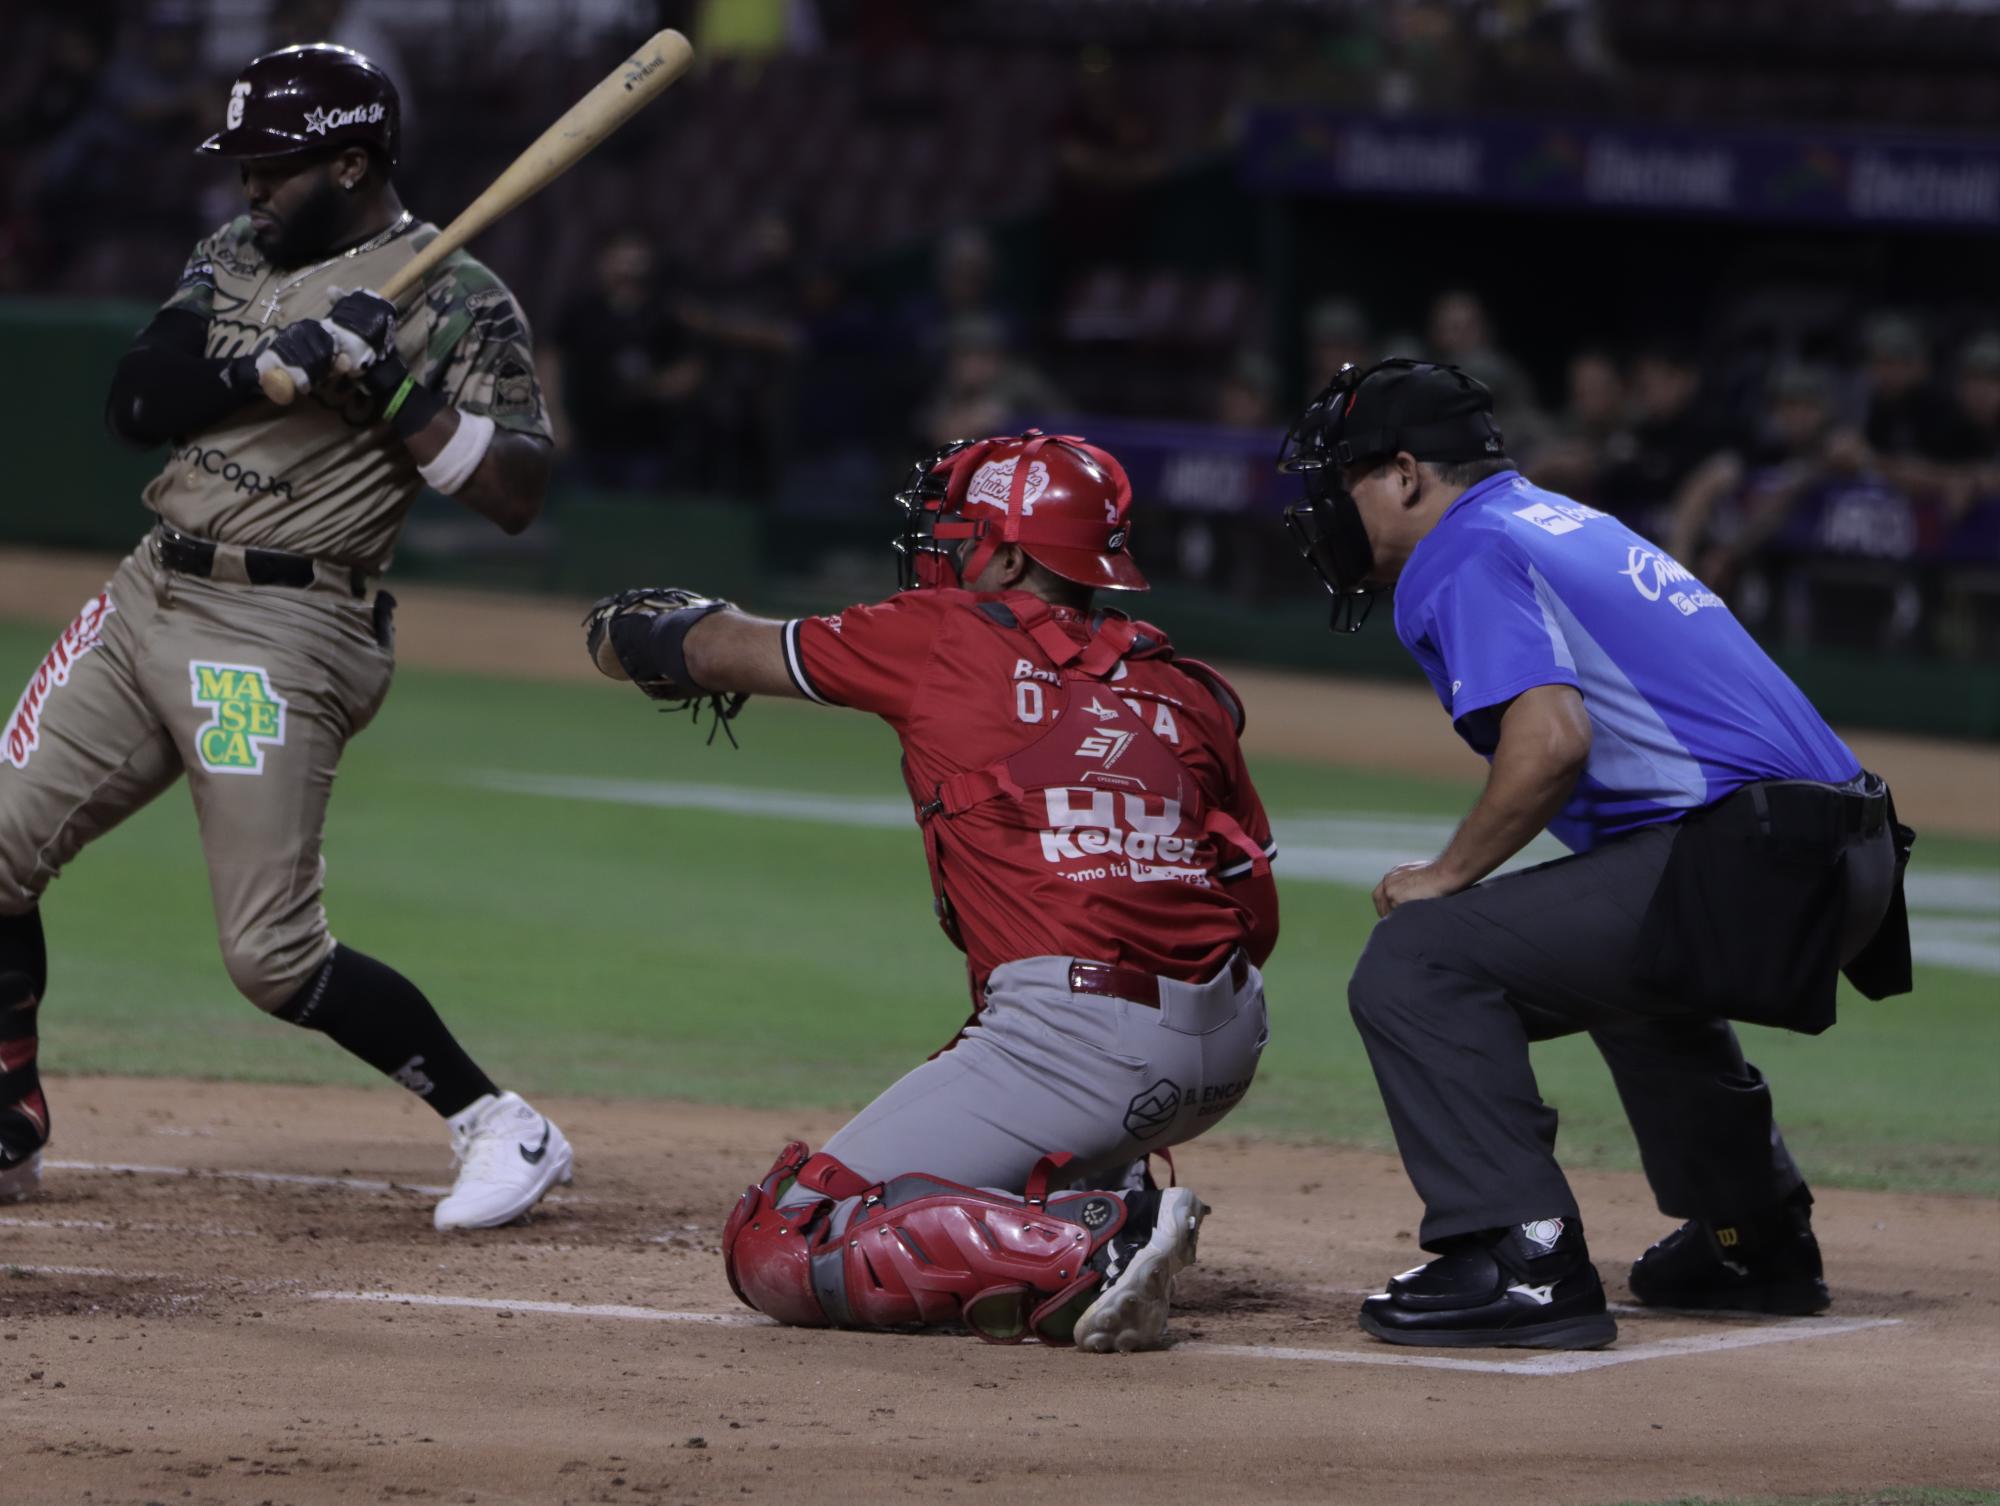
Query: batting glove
[(305, 351), (363, 328)]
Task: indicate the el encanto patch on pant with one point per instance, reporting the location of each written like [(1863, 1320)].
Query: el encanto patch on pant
[(248, 716)]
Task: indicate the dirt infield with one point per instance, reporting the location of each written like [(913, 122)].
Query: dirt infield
[(1940, 786), (283, 1325), (169, 1338)]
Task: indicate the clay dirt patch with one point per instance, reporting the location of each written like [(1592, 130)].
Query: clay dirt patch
[(313, 1340)]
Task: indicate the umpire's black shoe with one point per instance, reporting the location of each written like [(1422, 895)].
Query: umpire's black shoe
[(1528, 1286), (1768, 1266)]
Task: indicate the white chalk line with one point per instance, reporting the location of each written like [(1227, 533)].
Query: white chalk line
[(107, 1226), (556, 1309), (1565, 1363), (1761, 1332), (282, 1178), (285, 1178)]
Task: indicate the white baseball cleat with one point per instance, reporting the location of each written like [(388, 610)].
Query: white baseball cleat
[(508, 1157), (21, 1180), (1138, 1290)]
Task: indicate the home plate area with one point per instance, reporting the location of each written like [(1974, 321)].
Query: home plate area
[(230, 1292)]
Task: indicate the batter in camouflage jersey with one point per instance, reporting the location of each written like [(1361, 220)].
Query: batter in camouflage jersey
[(245, 640)]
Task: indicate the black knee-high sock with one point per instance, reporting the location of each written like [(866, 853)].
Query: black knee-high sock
[(24, 973), (22, 949), (382, 1017), (24, 1112)]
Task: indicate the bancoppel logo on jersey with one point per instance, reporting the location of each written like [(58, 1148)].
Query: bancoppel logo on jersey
[(24, 728), (218, 464), (1557, 517)]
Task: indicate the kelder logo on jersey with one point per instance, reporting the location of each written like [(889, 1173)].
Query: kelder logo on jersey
[(248, 715)]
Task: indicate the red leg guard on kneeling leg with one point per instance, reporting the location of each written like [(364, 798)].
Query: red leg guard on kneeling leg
[(766, 1254), (916, 1251)]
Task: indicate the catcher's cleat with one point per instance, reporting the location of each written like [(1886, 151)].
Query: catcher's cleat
[(1768, 1266), (1138, 1267), (508, 1157), (21, 1179), (1528, 1286)]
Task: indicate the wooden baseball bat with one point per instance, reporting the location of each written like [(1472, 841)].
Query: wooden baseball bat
[(620, 95)]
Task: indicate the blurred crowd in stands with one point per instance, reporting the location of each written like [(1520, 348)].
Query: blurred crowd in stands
[(864, 227)]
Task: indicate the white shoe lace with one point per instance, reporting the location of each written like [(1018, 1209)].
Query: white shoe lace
[(475, 1152)]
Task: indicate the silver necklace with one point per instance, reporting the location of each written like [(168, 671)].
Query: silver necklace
[(401, 223)]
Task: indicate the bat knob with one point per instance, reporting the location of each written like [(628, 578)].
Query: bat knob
[(277, 385)]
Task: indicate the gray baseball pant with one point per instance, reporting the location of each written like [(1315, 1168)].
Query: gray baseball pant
[(1043, 1070)]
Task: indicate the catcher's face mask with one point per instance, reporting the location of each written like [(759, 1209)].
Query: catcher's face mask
[(929, 548), (1436, 413)]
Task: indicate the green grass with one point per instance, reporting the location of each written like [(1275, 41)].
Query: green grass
[(600, 949)]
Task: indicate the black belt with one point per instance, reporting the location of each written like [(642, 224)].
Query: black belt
[(186, 555), (1806, 809)]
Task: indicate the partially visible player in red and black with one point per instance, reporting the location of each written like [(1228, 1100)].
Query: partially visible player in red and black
[(1100, 855)]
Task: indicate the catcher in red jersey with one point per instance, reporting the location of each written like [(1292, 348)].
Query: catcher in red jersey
[(1097, 851)]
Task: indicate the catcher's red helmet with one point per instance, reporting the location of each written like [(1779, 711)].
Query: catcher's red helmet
[(1064, 501), (299, 99)]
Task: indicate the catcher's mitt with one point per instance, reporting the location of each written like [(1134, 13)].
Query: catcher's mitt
[(622, 636)]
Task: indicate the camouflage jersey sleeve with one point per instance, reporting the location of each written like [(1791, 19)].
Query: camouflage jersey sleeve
[(196, 292), (478, 354)]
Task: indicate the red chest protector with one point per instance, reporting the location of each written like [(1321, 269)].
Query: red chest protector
[(1103, 796)]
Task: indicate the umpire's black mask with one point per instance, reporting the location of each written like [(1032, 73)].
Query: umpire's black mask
[(1436, 413)]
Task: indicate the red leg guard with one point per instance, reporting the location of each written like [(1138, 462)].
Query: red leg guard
[(766, 1255), (915, 1251)]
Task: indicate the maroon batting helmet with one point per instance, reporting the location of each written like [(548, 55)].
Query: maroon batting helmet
[(300, 99)]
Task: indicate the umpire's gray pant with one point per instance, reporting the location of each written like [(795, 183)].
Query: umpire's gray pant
[(1449, 992)]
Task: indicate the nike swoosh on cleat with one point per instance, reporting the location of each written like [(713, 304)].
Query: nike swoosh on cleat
[(534, 1157)]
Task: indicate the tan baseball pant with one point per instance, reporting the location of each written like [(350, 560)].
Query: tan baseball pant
[(252, 692)]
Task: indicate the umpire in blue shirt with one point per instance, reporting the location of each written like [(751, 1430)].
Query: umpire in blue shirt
[(1730, 856)]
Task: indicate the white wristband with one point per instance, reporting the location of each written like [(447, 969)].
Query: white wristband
[(461, 454)]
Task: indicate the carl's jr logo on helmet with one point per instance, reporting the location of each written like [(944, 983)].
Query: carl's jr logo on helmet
[(993, 484), (319, 122)]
